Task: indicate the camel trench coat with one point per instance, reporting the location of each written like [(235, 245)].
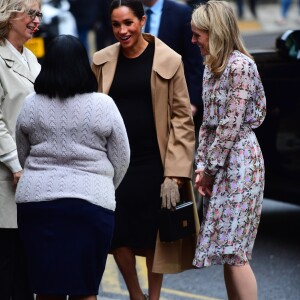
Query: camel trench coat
[(175, 134), (16, 82)]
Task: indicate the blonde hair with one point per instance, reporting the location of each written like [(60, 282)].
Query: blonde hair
[(8, 10), (217, 18)]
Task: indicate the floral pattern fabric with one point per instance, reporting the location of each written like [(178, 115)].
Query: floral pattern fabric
[(234, 104)]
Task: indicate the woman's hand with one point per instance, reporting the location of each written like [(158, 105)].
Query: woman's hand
[(169, 192), (16, 178), (204, 183)]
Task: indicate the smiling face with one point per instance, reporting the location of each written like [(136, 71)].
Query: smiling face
[(127, 27), (200, 38), (23, 25)]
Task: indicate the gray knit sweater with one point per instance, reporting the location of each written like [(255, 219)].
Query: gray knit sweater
[(77, 147)]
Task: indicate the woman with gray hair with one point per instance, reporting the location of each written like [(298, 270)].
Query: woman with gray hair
[(19, 19), (230, 167)]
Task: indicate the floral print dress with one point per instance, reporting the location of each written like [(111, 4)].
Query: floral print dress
[(234, 104)]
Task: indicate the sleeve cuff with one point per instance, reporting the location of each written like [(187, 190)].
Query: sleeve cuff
[(11, 161), (209, 172), (15, 166)]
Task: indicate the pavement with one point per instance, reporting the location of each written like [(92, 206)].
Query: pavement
[(267, 19), (266, 22)]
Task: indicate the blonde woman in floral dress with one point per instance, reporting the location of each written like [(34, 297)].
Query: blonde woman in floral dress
[(230, 166)]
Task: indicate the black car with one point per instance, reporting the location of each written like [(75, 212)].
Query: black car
[(279, 135)]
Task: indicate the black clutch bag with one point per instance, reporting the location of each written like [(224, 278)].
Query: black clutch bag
[(176, 224)]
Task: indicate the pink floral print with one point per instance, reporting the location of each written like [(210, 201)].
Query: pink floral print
[(234, 104)]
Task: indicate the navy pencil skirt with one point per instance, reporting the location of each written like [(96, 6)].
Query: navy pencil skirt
[(66, 242)]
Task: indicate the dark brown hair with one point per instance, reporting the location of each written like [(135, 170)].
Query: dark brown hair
[(135, 5)]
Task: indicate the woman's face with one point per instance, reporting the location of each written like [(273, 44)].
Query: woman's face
[(200, 38), (127, 28), (23, 26)]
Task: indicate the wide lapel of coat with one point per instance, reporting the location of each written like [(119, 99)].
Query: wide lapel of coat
[(34, 66), (107, 59), (15, 64), (165, 64)]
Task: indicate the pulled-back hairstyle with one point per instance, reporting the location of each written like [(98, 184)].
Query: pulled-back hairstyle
[(8, 10), (66, 69), (217, 18), (135, 5)]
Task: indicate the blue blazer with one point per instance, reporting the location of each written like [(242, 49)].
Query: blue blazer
[(175, 31)]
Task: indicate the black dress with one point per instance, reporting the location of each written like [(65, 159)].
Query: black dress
[(138, 196)]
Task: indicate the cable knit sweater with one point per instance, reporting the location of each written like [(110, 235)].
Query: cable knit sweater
[(76, 147)]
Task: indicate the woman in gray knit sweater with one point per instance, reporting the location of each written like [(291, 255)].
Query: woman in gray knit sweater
[(74, 149)]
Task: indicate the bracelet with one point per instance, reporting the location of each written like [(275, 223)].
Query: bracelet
[(208, 174)]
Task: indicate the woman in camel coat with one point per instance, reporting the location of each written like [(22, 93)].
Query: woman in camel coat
[(146, 79)]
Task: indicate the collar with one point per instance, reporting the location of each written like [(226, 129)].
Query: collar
[(166, 61), (156, 8), (21, 56), (14, 63)]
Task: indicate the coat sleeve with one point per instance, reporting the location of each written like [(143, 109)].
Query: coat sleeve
[(181, 143), (7, 143), (118, 150)]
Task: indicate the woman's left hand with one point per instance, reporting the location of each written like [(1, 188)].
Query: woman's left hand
[(169, 193), (204, 183), (16, 178)]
